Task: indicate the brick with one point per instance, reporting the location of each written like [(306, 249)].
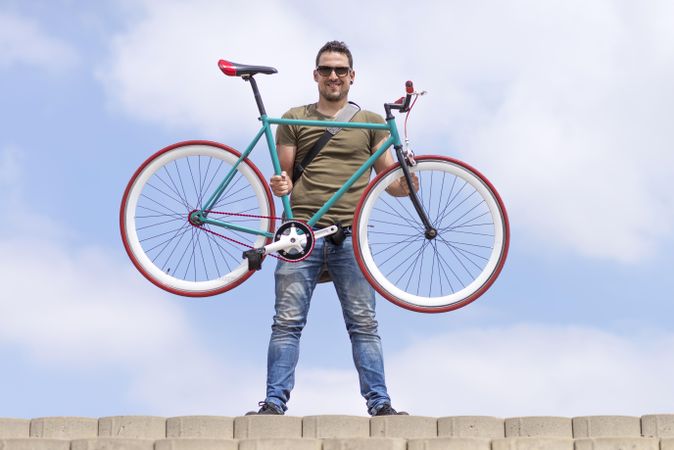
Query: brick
[(280, 444), (606, 426), (63, 427), (112, 443), (538, 427), (449, 443), (660, 425), (618, 443), (471, 426), (14, 428), (34, 444), (200, 427), (335, 426), (196, 444), (372, 443), (409, 427), (532, 443), (666, 444), (135, 427), (257, 427)]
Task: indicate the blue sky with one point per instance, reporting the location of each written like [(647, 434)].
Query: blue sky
[(565, 106)]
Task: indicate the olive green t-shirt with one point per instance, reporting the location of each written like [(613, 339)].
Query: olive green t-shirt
[(337, 161)]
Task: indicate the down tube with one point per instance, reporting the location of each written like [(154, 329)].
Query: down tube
[(337, 195)]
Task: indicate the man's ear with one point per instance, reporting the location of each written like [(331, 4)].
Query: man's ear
[(316, 76)]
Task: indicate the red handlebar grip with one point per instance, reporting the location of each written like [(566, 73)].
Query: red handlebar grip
[(409, 87)]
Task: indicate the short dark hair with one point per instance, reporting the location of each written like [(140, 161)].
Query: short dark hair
[(335, 46)]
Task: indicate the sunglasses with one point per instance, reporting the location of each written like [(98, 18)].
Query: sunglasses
[(325, 71)]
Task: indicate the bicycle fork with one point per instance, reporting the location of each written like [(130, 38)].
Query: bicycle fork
[(430, 232)]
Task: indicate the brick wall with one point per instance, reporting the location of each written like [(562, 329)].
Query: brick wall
[(650, 432)]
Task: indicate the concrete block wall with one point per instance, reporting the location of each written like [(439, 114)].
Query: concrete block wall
[(334, 432)]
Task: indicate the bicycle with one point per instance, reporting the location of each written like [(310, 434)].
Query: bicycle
[(436, 250)]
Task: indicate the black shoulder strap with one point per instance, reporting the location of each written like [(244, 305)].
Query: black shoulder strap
[(345, 115)]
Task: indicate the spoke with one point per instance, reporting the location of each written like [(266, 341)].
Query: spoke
[(154, 216), (215, 174), (463, 253), (467, 223), (440, 267), (194, 183), (180, 260), (391, 245), (456, 206), (381, 265), (227, 192), (451, 270), (154, 236), (395, 214), (182, 185), (174, 187), (411, 271), (175, 196), (157, 224), (385, 233), (168, 258), (442, 190), (390, 223), (430, 284), (410, 261), (201, 253), (466, 213), (410, 219), (212, 240), (159, 204)]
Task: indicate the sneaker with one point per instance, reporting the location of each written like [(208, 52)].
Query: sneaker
[(387, 410), (266, 408)]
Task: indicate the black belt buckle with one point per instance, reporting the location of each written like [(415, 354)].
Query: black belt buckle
[(339, 236)]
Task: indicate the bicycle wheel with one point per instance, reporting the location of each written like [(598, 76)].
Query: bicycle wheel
[(170, 251), (440, 274)]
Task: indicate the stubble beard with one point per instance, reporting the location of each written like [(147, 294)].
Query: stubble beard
[(335, 97)]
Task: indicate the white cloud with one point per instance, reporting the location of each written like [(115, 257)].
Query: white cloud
[(69, 306), (565, 105), (77, 308), (164, 68), (511, 371), (24, 42)]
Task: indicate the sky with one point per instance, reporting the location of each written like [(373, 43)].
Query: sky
[(565, 106)]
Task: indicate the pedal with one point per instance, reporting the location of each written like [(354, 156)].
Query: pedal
[(254, 257)]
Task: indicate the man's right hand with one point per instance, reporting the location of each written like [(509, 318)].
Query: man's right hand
[(281, 184)]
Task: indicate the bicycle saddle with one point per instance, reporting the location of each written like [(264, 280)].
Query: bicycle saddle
[(233, 69)]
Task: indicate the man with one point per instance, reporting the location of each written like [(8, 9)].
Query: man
[(295, 282)]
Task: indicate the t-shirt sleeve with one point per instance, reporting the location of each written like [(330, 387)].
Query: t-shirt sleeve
[(286, 134)]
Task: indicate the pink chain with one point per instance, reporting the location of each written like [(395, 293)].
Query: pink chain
[(241, 243)]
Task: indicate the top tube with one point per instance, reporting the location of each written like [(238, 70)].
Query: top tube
[(327, 123)]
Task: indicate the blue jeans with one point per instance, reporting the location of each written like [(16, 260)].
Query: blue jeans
[(295, 283)]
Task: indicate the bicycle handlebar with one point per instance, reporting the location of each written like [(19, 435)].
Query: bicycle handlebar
[(403, 103)]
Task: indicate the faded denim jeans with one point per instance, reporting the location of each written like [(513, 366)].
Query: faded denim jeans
[(295, 283)]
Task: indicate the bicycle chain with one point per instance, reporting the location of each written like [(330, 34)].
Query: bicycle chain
[(241, 243)]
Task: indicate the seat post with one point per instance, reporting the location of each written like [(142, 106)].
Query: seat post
[(256, 93)]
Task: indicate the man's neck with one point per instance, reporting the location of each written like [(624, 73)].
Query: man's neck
[(329, 108)]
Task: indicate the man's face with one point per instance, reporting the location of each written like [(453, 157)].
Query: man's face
[(333, 87)]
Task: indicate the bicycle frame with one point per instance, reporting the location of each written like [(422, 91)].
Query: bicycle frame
[(267, 122)]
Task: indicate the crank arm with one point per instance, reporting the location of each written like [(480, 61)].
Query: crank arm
[(324, 232), (286, 242)]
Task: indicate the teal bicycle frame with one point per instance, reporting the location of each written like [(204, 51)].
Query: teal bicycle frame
[(267, 122)]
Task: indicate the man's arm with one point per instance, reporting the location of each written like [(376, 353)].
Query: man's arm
[(399, 187), (283, 184)]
